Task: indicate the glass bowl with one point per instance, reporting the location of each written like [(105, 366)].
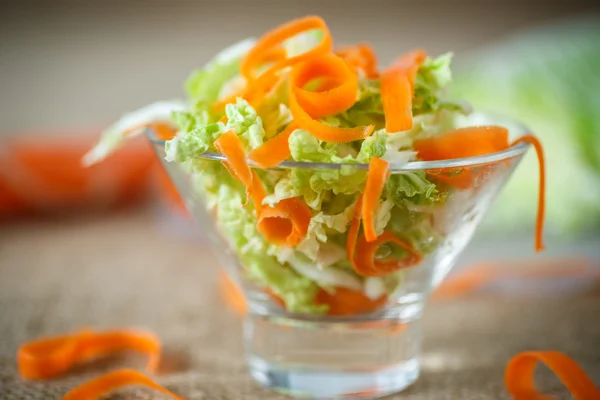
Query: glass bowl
[(374, 351)]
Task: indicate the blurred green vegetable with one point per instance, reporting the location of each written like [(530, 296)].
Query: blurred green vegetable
[(549, 79)]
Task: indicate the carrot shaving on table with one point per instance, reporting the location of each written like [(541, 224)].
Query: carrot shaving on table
[(305, 106), (477, 276), (48, 357), (360, 56), (230, 145), (376, 178), (366, 264), (519, 376), (113, 381), (539, 225), (275, 150), (397, 91)]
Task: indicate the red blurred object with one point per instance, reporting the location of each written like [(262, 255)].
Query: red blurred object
[(44, 175)]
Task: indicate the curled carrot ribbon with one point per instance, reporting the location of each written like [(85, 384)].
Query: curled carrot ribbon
[(340, 94), (361, 252), (519, 376), (478, 141), (285, 224), (397, 91), (259, 54), (376, 178), (49, 357), (360, 56), (113, 381)]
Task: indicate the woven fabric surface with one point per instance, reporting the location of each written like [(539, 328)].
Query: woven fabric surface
[(127, 270)]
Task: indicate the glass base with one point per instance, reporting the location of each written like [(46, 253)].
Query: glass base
[(328, 384), (333, 358)]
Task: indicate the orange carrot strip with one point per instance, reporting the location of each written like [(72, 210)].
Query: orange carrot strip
[(219, 105), (323, 103), (49, 357), (463, 142), (477, 141), (519, 376), (258, 193), (285, 224), (272, 39), (326, 132), (348, 302), (410, 63), (113, 381), (397, 91), (274, 151), (539, 225), (332, 101), (230, 145), (360, 56), (366, 265), (161, 130), (378, 172)]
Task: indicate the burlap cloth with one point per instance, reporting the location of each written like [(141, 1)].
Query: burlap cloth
[(126, 270)]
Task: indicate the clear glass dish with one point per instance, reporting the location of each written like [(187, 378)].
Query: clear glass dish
[(366, 355)]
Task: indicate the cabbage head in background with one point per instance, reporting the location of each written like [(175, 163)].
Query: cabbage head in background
[(548, 79)]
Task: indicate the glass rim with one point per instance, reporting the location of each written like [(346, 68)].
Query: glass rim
[(513, 151)]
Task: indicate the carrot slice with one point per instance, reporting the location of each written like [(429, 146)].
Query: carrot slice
[(285, 224), (361, 253), (378, 172), (274, 151), (113, 381), (477, 141), (274, 38), (348, 302), (397, 91), (163, 131), (331, 101), (463, 142), (360, 56), (230, 145), (539, 225), (305, 105), (49, 357), (326, 132), (365, 263), (519, 376)]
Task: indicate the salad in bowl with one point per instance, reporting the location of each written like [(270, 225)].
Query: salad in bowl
[(342, 190)]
